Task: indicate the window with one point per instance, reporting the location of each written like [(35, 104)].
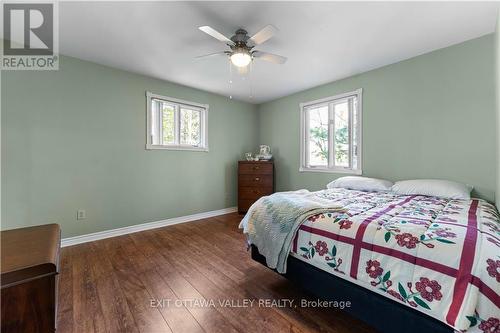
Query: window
[(331, 134), (176, 124)]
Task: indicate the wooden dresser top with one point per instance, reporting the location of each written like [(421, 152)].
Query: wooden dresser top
[(30, 252), (252, 162)]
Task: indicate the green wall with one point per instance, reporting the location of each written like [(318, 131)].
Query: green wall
[(431, 116), (75, 138)]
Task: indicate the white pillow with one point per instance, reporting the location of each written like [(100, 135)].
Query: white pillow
[(433, 187), (361, 184)]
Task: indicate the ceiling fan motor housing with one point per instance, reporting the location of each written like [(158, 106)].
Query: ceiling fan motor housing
[(240, 37)]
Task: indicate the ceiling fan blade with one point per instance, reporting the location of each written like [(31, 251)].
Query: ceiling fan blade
[(277, 59), (264, 34), (215, 34), (211, 55)]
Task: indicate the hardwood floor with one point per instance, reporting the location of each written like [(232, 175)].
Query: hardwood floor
[(120, 284)]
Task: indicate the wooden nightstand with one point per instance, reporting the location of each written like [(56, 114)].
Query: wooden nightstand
[(30, 264), (255, 180)]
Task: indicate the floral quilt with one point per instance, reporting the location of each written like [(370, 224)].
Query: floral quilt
[(439, 256), (273, 220)]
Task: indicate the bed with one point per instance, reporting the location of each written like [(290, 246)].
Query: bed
[(408, 263)]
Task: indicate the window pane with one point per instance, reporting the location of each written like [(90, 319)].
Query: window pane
[(190, 131), (168, 123), (355, 133), (318, 136), (341, 134), (155, 122)]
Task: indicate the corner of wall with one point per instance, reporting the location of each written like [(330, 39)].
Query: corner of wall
[(497, 93), (258, 110)]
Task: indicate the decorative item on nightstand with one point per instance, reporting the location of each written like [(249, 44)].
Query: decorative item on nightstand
[(264, 153), (255, 180)]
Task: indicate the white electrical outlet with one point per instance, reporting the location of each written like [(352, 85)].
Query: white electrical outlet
[(81, 214)]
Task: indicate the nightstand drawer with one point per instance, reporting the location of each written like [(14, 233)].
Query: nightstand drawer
[(254, 192), (256, 180), (255, 169)]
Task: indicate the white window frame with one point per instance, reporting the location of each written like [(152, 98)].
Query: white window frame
[(203, 108), (304, 135)]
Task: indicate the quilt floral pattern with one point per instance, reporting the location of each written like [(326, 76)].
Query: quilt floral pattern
[(438, 256)]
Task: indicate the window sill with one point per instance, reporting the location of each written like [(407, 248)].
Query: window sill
[(185, 148), (326, 170)]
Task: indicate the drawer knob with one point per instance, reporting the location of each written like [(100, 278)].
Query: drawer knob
[(256, 168), (257, 179)]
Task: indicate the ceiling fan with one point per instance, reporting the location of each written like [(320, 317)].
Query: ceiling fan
[(241, 45)]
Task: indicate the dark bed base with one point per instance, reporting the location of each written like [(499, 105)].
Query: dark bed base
[(382, 313)]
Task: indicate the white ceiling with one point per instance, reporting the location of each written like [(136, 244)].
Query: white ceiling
[(324, 41)]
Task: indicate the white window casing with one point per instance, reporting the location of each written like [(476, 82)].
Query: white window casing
[(154, 123), (353, 99)]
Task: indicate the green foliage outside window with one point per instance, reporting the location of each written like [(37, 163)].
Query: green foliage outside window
[(319, 135), (168, 124)]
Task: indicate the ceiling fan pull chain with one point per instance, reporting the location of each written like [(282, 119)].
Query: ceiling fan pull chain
[(250, 80), (230, 82)]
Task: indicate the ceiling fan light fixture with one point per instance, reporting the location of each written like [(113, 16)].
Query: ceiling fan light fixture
[(241, 59)]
